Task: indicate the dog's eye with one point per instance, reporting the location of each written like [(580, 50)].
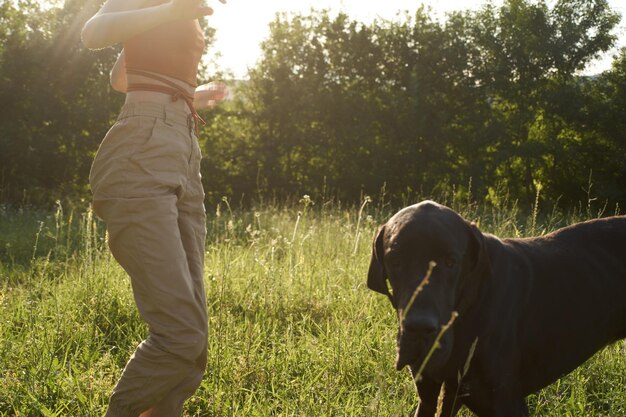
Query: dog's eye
[(450, 261)]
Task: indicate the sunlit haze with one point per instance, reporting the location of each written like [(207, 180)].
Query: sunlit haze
[(242, 24)]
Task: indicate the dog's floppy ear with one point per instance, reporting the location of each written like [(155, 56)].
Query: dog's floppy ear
[(481, 257), (478, 268), (377, 275)]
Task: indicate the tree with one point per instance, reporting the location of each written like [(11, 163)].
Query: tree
[(57, 104), (528, 61), (361, 106)]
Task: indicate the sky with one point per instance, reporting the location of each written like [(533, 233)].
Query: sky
[(243, 24)]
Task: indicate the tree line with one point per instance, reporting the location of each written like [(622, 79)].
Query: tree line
[(479, 102)]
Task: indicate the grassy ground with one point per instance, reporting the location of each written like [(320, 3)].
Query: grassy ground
[(293, 329)]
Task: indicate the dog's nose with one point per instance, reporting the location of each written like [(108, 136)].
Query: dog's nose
[(420, 324)]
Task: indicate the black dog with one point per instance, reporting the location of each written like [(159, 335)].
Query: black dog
[(538, 307)]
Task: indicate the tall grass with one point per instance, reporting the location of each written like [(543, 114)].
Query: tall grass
[(293, 329)]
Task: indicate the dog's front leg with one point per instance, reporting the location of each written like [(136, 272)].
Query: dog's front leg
[(429, 392)]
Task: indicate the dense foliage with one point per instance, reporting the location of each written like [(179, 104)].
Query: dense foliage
[(478, 102), (56, 103)]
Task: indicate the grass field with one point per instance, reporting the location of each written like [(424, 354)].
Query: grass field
[(293, 329)]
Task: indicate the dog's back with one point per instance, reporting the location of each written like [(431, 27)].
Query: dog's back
[(577, 299)]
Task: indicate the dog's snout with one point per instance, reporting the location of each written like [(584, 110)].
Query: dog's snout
[(420, 324)]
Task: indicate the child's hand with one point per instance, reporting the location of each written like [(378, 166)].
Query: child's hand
[(189, 9), (208, 95)]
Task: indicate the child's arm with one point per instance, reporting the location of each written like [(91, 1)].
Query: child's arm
[(119, 20)]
